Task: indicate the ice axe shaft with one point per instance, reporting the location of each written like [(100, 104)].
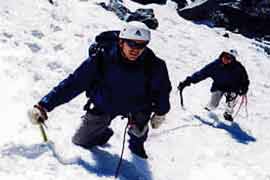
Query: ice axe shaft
[(181, 98), (43, 132)]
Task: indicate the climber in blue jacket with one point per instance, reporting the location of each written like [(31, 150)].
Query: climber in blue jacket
[(229, 77), (121, 76)]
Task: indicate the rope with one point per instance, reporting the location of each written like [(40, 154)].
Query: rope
[(122, 152), (246, 102), (236, 102), (241, 103)]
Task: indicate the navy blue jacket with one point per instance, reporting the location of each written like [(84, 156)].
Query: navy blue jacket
[(116, 85), (226, 78)]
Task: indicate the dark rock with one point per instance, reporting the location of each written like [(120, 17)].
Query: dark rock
[(150, 1), (248, 17), (199, 11), (263, 45), (180, 3), (145, 16), (51, 2), (226, 35)]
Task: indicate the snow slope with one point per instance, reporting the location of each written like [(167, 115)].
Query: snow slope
[(41, 44)]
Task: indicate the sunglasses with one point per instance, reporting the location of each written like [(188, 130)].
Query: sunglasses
[(136, 45), (228, 55)]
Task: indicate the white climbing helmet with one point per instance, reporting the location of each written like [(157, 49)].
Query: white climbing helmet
[(232, 51), (135, 30)]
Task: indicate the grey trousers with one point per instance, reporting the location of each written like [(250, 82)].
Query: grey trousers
[(216, 96), (94, 126)]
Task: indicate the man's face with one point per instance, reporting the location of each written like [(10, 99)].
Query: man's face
[(132, 49), (226, 59)]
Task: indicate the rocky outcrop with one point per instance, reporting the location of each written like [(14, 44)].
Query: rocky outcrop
[(144, 15), (180, 3), (248, 17), (150, 1)]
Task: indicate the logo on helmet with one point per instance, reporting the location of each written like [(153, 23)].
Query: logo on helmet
[(138, 33)]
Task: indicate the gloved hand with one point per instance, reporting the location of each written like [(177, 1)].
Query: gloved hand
[(182, 85), (37, 114), (243, 91), (157, 120)]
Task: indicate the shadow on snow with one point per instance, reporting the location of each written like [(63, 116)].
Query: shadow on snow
[(104, 163), (234, 129)]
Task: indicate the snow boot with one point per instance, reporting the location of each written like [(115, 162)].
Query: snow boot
[(136, 145), (228, 117), (138, 149)]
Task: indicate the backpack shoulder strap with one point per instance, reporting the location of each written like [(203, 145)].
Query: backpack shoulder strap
[(148, 66)]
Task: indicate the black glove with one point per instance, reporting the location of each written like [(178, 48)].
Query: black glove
[(182, 85), (243, 91)]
